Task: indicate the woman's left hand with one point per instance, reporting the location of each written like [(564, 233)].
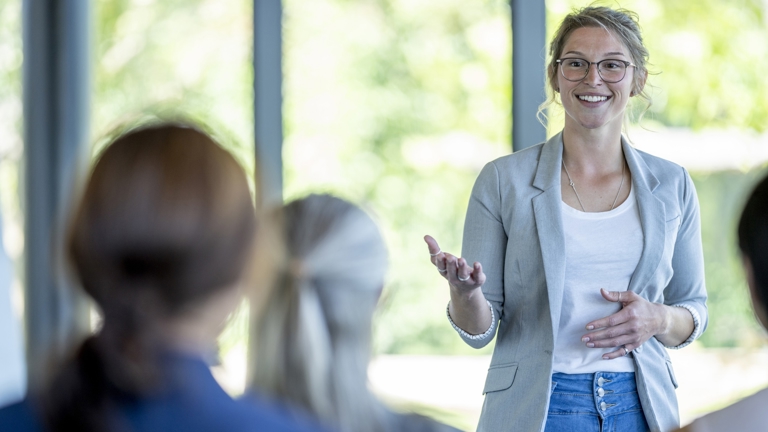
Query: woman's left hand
[(636, 322)]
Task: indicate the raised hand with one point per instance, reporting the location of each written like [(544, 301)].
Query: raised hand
[(636, 322), (455, 270), (468, 308)]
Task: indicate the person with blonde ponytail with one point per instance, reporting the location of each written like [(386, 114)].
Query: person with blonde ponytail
[(313, 339), (160, 241)]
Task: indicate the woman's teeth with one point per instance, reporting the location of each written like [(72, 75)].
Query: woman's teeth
[(593, 98)]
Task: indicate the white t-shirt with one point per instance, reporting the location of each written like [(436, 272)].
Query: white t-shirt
[(601, 251)]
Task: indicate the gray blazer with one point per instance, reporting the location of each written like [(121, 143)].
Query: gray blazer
[(514, 228)]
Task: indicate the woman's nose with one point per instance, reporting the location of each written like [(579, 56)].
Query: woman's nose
[(593, 75)]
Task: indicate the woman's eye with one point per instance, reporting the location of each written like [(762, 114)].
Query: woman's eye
[(576, 63), (612, 65)]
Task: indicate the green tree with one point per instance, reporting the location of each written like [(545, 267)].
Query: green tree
[(397, 104)]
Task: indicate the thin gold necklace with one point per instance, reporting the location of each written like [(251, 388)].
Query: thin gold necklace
[(573, 186)]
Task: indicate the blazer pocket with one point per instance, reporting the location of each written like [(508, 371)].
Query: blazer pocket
[(500, 377), (673, 223), (671, 373)]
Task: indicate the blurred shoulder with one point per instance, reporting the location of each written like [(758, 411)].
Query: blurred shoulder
[(749, 414), (272, 415), (417, 423), (20, 417), (193, 401)]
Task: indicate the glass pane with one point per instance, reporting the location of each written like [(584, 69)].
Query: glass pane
[(13, 373), (190, 57), (398, 105)]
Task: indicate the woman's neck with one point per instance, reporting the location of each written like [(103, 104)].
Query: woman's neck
[(592, 151), (197, 329)]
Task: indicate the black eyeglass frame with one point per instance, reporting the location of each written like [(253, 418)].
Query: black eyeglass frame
[(627, 64)]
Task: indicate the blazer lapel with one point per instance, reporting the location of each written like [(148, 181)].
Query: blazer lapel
[(652, 218), (549, 224)]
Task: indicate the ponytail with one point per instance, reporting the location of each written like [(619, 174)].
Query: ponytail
[(313, 335), (294, 330), (119, 363)]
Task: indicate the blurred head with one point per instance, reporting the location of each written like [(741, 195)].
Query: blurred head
[(620, 24), (753, 243), (314, 334), (165, 224), (165, 221)]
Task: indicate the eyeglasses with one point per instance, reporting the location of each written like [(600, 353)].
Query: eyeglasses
[(610, 70)]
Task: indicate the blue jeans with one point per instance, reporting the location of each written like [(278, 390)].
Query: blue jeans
[(595, 402)]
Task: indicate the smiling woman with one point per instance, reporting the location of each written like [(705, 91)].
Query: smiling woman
[(586, 255), (596, 97)]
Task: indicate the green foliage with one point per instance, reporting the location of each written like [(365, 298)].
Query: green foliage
[(707, 59), (165, 58), (721, 197), (11, 148), (397, 104)]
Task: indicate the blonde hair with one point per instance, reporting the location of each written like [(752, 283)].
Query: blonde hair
[(314, 333), (620, 22)]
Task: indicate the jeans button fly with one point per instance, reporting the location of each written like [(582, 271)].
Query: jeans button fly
[(600, 392), (600, 381), (603, 406)]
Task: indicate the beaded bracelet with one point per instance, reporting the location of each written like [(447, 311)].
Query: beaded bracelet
[(466, 335), (696, 326)]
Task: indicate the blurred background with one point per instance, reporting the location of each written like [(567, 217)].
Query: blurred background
[(396, 105)]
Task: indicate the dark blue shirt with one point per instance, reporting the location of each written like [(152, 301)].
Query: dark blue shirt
[(192, 402)]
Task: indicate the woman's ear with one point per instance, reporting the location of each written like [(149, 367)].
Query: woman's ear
[(639, 84), (552, 77)]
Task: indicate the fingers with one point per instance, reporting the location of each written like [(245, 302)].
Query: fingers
[(432, 245), (455, 269), (436, 256), (452, 265), (478, 274), (441, 263), (611, 337), (463, 271), (623, 330), (446, 265), (461, 275), (622, 337), (619, 317), (620, 352), (622, 297)]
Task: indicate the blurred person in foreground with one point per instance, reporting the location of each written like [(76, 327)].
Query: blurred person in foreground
[(160, 240), (751, 413), (313, 340), (583, 252)]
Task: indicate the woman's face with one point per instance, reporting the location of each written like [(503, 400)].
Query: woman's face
[(592, 103)]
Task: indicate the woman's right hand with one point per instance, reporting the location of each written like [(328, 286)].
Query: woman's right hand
[(468, 309), (460, 275)]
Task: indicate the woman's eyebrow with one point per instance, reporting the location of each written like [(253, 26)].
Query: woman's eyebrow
[(606, 54)]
